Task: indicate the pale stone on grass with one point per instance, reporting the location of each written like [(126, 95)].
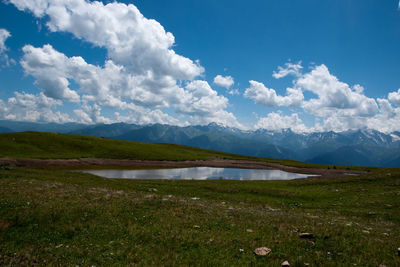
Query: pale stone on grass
[(263, 251)]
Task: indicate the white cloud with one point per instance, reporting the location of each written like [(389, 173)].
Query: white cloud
[(275, 121), (394, 98), (289, 69), (142, 75), (204, 105), (224, 81), (334, 96), (112, 86), (4, 35), (234, 92), (141, 45), (49, 68), (29, 107), (336, 105), (4, 59), (146, 116), (387, 120), (267, 97)]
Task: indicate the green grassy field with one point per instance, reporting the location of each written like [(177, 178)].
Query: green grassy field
[(63, 146), (62, 218)]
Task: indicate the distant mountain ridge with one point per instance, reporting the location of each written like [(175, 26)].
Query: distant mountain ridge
[(356, 147)]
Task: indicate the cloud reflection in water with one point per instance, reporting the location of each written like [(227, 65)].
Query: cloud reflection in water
[(199, 173)]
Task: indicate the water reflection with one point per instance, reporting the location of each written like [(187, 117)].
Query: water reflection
[(199, 173)]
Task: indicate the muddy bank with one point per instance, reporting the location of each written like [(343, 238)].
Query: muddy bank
[(126, 163)]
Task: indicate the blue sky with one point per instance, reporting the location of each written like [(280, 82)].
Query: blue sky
[(305, 65)]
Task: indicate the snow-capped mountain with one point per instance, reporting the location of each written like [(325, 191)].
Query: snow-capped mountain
[(356, 147)]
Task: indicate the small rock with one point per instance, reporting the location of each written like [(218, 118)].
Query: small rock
[(382, 265), (196, 226), (263, 251), (195, 198), (249, 230), (241, 250), (285, 264), (306, 235), (153, 190), (59, 246), (223, 202)]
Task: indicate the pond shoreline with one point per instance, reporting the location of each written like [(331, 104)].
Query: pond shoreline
[(127, 163)]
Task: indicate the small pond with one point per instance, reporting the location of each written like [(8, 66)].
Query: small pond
[(199, 173)]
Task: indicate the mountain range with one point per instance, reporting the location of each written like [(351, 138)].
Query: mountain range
[(356, 147)]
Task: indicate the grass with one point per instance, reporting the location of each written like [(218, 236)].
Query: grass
[(65, 218), (62, 146), (61, 218)]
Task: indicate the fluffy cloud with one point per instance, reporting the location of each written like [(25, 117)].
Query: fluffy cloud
[(275, 121), (50, 69), (334, 96), (394, 98), (29, 107), (267, 97), (289, 69), (113, 86), (142, 45), (110, 85), (4, 35), (142, 75), (204, 105), (224, 81), (336, 105)]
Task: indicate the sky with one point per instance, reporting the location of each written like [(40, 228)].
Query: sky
[(309, 66)]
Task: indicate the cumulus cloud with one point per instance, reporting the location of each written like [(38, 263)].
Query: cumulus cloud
[(50, 69), (4, 35), (138, 43), (204, 105), (289, 69), (334, 96), (275, 121), (388, 118), (113, 86), (262, 95), (336, 105), (394, 98), (4, 59), (224, 81), (29, 107), (142, 74), (110, 85)]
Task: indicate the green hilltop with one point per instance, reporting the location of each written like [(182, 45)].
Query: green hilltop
[(65, 146)]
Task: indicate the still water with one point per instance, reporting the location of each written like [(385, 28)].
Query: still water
[(199, 173)]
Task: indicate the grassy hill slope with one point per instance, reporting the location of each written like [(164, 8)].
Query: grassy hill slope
[(64, 146), (54, 145)]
